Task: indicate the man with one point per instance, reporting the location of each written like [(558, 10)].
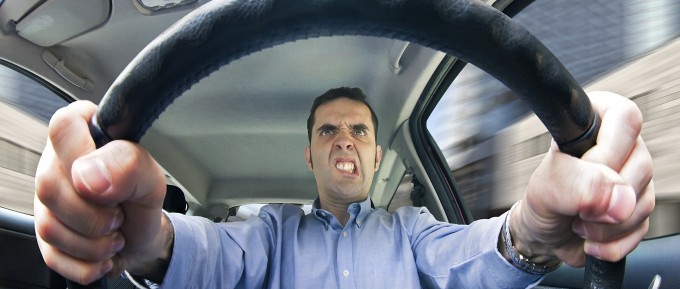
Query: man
[(96, 214)]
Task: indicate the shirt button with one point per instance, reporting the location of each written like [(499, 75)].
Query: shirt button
[(344, 234), (345, 273)]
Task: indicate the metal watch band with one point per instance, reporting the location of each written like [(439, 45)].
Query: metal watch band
[(519, 260)]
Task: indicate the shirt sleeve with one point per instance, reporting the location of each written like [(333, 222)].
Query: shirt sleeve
[(459, 256), (225, 255)]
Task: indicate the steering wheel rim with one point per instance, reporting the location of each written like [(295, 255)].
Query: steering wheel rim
[(202, 42)]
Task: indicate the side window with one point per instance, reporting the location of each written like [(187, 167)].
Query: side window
[(492, 141), (25, 109), (407, 194)]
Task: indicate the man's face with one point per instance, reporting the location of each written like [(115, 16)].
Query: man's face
[(343, 153)]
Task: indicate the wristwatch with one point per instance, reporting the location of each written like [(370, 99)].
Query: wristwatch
[(521, 261)]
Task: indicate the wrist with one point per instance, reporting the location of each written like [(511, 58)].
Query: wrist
[(154, 267), (531, 257)]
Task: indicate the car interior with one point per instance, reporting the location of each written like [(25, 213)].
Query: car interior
[(237, 137)]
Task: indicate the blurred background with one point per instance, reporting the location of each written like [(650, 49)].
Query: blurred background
[(493, 143), (25, 109), (490, 139)]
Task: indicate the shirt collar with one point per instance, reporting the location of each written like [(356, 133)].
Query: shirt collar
[(358, 212)]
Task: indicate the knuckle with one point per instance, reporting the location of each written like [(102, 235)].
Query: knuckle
[(52, 263), (64, 123), (42, 191), (59, 124), (633, 113), (59, 116), (44, 231), (45, 191), (650, 207), (45, 177), (647, 201)]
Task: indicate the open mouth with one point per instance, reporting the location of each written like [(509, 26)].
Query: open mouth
[(346, 166)]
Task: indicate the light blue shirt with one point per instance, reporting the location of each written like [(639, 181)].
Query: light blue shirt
[(284, 248)]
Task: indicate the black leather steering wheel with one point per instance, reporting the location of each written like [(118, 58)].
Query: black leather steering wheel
[(222, 31)]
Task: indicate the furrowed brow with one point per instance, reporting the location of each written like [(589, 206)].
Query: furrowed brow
[(359, 126), (327, 126)]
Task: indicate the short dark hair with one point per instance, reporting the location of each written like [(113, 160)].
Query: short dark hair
[(352, 93)]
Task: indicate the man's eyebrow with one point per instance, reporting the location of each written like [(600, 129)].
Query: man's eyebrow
[(327, 126), (359, 126)]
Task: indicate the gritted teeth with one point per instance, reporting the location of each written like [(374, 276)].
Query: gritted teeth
[(345, 166)]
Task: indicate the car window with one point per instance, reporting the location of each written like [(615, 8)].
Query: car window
[(492, 142), (407, 194), (25, 109)]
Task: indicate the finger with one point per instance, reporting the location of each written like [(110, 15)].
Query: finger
[(69, 133), (615, 250), (572, 187), (53, 191), (92, 250), (638, 172), (599, 232), (620, 128), (638, 169), (71, 268)]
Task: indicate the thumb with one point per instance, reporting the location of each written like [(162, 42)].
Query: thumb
[(120, 171), (612, 210)]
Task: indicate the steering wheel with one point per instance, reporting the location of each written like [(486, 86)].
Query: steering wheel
[(222, 31)]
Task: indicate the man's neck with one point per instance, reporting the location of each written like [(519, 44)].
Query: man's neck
[(338, 209)]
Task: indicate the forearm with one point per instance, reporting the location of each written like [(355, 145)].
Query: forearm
[(156, 266)]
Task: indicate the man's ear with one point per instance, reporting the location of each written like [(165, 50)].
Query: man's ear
[(308, 158), (378, 157)]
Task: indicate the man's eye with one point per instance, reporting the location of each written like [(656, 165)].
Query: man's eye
[(326, 132), (360, 132)]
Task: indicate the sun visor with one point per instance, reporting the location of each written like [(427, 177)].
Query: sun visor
[(14, 10), (56, 21)]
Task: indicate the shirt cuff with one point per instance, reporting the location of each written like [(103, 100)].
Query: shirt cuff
[(179, 269)]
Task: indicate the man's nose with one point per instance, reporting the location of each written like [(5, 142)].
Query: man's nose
[(343, 141)]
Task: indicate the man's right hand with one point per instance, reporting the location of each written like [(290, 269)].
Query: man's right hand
[(97, 211)]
